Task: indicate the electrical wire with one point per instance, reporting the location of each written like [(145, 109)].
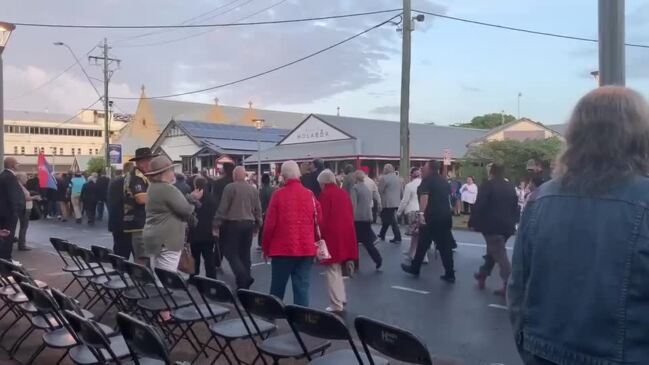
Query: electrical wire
[(187, 21), (304, 58), (522, 30), (28, 92), (204, 32), (298, 20)]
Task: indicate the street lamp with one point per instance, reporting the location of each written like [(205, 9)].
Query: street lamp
[(259, 124), (5, 33), (595, 75)]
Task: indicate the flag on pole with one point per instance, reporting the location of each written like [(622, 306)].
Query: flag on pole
[(45, 176)]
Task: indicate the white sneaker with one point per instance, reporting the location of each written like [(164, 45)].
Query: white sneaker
[(17, 263), (331, 309)]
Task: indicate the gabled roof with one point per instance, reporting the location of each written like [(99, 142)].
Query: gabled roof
[(559, 128), (505, 126)]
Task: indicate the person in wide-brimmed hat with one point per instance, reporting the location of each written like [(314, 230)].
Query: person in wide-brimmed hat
[(167, 212), (136, 185)]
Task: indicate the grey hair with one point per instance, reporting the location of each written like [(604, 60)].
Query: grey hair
[(388, 169), (607, 141), (359, 175), (327, 177), (290, 170)]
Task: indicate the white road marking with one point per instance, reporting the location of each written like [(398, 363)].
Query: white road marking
[(410, 289), (260, 263), (498, 306), (476, 245)]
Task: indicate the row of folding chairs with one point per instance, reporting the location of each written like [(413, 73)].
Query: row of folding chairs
[(165, 300)]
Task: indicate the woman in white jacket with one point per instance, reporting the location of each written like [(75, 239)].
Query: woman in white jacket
[(410, 207), (469, 194)]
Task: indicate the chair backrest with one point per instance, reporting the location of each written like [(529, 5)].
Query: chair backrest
[(171, 279), (101, 254), (391, 341), (7, 268), (90, 335), (21, 278), (61, 247), (142, 339), (140, 274), (44, 304), (214, 290), (317, 323), (65, 302), (261, 305)]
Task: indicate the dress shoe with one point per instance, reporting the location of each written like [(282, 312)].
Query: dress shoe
[(379, 264), (409, 269), (449, 278), (396, 242), (481, 278)]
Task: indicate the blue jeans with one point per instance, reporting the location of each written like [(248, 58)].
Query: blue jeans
[(298, 268)]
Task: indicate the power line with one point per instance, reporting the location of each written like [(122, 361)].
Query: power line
[(188, 20), (207, 31), (522, 30), (28, 92), (270, 70), (298, 20)]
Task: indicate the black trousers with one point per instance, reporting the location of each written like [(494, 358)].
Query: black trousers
[(236, 244), (365, 236), (204, 249), (91, 210), (443, 238), (122, 244), (389, 218), (6, 244), (375, 211)]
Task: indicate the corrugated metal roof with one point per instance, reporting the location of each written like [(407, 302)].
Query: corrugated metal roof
[(38, 116), (240, 145), (306, 151), (559, 128), (233, 132)]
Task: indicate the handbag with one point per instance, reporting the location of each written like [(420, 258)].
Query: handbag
[(186, 263), (322, 252)]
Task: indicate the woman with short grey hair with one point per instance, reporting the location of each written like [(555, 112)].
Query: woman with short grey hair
[(578, 287), (290, 170), (361, 198)]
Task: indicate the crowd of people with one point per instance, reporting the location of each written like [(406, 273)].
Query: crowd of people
[(575, 283)]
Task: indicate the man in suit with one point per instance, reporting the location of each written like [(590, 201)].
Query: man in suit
[(115, 204), (390, 191), (12, 205)]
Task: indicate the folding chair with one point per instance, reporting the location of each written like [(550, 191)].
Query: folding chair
[(112, 280), (61, 247), (143, 341), (321, 324), (190, 315), (391, 341), (155, 308), (231, 329), (83, 276), (97, 347), (282, 346)]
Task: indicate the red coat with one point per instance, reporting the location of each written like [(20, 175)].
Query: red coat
[(289, 228), (337, 225)]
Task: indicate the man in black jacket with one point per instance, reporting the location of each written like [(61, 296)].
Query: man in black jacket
[(115, 205), (310, 180), (435, 222), (495, 214), (102, 191), (12, 205)]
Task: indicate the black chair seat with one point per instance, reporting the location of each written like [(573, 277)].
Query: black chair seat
[(42, 323), (234, 328), (158, 304), (87, 273), (116, 283), (134, 294), (18, 298), (28, 308), (190, 314), (346, 357), (7, 290), (81, 354), (62, 339), (101, 280), (287, 345), (40, 284), (74, 267)]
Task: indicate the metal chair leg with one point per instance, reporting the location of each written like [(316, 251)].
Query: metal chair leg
[(35, 355)]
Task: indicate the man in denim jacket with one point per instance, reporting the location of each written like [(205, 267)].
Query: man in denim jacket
[(579, 291)]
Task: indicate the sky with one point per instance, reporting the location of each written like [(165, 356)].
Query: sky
[(459, 70)]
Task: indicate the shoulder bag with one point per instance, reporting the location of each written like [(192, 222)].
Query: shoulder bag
[(322, 253)]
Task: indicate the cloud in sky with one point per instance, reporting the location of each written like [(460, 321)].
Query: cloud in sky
[(386, 110)]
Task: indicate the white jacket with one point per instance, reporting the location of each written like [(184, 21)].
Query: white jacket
[(410, 201)]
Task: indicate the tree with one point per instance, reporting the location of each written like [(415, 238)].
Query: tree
[(515, 154), (96, 164), (488, 121)]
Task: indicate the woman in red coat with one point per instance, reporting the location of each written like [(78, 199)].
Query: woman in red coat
[(289, 235), (338, 231)]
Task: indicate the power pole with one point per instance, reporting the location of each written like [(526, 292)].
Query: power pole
[(404, 120), (611, 42), (107, 61)]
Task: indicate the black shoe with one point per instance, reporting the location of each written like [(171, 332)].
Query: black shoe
[(78, 221), (381, 238), (448, 278), (410, 270), (379, 264), (24, 248), (396, 242)]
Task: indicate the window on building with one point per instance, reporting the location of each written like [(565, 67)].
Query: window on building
[(15, 150), (143, 121), (42, 149), (78, 151), (61, 151), (22, 150), (90, 151), (53, 150), (96, 151), (36, 150)]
